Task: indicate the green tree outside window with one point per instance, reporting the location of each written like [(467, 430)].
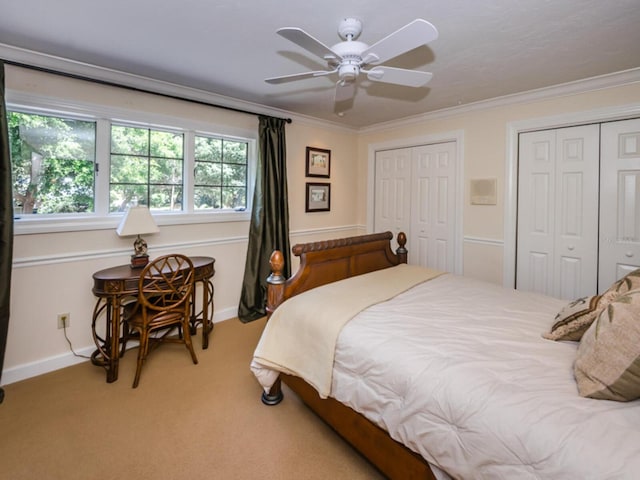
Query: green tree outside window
[(146, 169), (220, 174), (53, 163)]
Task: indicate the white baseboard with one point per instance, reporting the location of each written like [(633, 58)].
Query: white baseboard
[(50, 364)]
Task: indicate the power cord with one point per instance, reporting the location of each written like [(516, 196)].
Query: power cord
[(64, 329)]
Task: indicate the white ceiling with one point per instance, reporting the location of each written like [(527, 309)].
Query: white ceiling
[(486, 48)]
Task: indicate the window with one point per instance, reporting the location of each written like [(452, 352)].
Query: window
[(78, 166), (146, 169), (220, 174), (53, 163)]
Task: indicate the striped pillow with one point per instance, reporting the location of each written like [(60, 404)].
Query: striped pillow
[(575, 318), (607, 364)]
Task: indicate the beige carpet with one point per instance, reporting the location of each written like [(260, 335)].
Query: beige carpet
[(184, 421)]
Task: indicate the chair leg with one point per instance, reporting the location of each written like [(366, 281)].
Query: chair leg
[(142, 354), (189, 343), (125, 338)]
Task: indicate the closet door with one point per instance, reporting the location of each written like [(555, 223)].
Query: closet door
[(536, 215), (392, 209), (620, 201), (415, 193), (433, 206), (557, 241)]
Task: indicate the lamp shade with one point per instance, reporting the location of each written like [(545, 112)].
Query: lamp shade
[(137, 221)]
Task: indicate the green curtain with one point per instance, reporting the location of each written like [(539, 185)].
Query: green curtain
[(269, 229), (6, 226)]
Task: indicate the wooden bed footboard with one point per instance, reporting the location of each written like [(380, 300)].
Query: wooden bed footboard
[(325, 262)]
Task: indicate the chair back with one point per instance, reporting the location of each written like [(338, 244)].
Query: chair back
[(165, 289)]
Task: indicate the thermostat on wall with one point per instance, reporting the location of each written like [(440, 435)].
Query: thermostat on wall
[(483, 191)]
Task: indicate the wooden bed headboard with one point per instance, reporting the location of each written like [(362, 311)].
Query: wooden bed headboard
[(332, 260)]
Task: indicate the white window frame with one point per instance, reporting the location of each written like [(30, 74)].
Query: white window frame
[(104, 116)]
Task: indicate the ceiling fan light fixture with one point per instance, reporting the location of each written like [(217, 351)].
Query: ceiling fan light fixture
[(348, 73)]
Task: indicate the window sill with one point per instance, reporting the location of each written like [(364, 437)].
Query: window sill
[(29, 225)]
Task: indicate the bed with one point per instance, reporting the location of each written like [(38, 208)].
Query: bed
[(466, 397)]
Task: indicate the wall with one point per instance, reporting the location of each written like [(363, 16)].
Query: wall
[(52, 271), (485, 152)]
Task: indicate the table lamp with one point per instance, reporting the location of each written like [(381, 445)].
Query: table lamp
[(138, 221)]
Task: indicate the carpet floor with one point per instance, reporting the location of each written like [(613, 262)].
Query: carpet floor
[(184, 421)]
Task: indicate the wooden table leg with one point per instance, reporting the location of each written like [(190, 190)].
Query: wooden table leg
[(207, 323), (107, 353), (114, 353)]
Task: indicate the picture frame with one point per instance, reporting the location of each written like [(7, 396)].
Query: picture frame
[(318, 197), (318, 162)]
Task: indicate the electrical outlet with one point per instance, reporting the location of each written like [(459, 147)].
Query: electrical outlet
[(64, 320)]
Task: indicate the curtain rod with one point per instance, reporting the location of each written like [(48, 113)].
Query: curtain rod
[(135, 89)]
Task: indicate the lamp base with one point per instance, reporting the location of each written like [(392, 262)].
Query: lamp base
[(139, 261)]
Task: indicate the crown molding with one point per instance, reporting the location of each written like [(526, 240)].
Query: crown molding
[(117, 77), (72, 67), (617, 79)]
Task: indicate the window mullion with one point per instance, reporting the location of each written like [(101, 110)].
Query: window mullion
[(103, 156), (188, 166)]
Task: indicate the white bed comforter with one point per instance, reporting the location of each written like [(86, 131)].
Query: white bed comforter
[(300, 338), (477, 391)]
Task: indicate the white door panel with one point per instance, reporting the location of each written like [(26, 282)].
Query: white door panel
[(539, 276), (420, 252), (620, 204), (557, 212), (433, 205), (443, 252), (393, 190), (536, 216), (576, 261), (415, 193)]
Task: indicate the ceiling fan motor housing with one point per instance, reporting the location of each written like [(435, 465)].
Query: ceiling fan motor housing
[(350, 28)]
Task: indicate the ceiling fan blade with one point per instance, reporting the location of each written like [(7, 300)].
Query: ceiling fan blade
[(309, 43), (399, 76), (298, 76), (345, 91), (412, 35)]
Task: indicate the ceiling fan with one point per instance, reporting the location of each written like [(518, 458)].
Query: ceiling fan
[(350, 58)]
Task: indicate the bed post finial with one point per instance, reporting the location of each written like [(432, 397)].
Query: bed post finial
[(275, 281), (401, 250), (277, 264)]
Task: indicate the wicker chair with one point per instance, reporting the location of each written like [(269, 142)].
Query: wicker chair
[(164, 303)]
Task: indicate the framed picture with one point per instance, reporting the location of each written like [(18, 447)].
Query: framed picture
[(318, 197), (318, 162)]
